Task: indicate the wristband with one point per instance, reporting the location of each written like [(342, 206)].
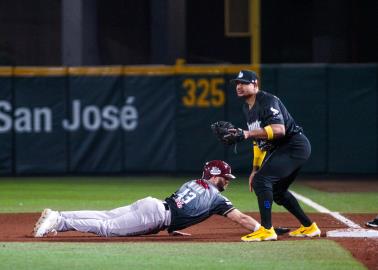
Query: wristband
[(269, 132)]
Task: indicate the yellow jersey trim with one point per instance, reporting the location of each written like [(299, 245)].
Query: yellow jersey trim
[(258, 156)]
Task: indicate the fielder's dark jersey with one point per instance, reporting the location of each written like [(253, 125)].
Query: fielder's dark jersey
[(268, 109), (194, 202)]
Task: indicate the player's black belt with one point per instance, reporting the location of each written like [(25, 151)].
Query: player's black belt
[(166, 206)]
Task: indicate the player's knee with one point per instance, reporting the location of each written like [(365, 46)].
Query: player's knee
[(280, 198), (261, 184)]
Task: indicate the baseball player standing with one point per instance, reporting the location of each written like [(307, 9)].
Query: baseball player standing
[(280, 149), (192, 203)]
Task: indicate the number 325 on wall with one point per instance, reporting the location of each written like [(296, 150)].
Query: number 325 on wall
[(203, 93)]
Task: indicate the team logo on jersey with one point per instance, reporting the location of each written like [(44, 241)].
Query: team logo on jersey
[(254, 125), (179, 202), (215, 171), (275, 112)]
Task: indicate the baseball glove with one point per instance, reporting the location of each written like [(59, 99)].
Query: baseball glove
[(227, 133)]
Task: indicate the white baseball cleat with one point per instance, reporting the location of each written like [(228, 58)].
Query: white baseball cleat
[(41, 218), (46, 223)]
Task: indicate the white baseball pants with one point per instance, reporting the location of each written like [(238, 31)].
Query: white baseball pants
[(145, 216)]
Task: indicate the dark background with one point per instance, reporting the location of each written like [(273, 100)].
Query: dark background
[(125, 32)]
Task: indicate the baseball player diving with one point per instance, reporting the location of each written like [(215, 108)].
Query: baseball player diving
[(192, 203), (279, 150)]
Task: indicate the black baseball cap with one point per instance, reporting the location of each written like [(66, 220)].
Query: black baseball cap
[(246, 76)]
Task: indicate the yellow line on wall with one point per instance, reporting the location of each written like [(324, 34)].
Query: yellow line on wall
[(39, 71), (200, 69), (148, 70), (5, 71), (95, 71), (126, 70)]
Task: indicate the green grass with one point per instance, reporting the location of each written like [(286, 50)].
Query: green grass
[(344, 202), (34, 194), (317, 254)]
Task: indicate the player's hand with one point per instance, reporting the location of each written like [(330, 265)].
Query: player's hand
[(227, 133), (239, 132), (178, 233), (246, 134)]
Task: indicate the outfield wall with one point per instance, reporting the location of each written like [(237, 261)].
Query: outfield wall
[(100, 120)]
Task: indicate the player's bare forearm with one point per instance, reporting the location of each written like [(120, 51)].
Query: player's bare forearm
[(242, 219), (179, 233), (250, 180), (260, 133)]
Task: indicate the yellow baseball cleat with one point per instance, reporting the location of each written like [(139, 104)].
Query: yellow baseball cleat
[(261, 234), (310, 231)]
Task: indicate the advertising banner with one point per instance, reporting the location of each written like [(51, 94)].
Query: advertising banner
[(352, 133), (150, 143), (116, 120), (39, 105), (201, 102), (97, 119), (6, 129)]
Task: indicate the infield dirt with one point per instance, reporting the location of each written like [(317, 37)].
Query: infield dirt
[(18, 228)]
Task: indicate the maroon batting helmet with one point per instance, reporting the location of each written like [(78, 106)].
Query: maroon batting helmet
[(217, 168)]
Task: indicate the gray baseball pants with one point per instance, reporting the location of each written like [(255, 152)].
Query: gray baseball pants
[(145, 216)]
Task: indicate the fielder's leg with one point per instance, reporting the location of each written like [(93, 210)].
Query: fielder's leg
[(282, 196), (275, 167)]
